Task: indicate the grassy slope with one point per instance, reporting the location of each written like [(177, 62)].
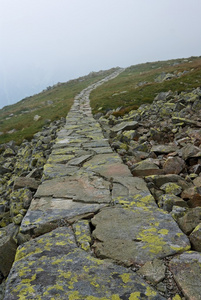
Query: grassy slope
[(62, 97), (103, 98)]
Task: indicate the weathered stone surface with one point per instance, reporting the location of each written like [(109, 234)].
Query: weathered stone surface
[(197, 181), (108, 165), (159, 180), (186, 269), (48, 210), (192, 194), (131, 192), (58, 170), (189, 151), (53, 267), (21, 182), (171, 188), (125, 126), (84, 187), (174, 165), (82, 234), (7, 248), (153, 271), (163, 148), (144, 165), (137, 236), (190, 220), (195, 238), (79, 160), (167, 202)]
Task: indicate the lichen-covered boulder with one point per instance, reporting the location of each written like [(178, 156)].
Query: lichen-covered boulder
[(53, 267), (133, 237)]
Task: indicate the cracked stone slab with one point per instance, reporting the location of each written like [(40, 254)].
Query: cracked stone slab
[(58, 170), (96, 144), (137, 236), (131, 192), (80, 160), (101, 150), (107, 165), (186, 269), (133, 185), (53, 267), (60, 159), (65, 151), (85, 187), (48, 210)]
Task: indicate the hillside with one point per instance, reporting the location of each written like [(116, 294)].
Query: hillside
[(17, 120), (138, 84), (141, 83)]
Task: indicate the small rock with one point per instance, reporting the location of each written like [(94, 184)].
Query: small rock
[(190, 220), (189, 151), (167, 202), (171, 188), (125, 126), (163, 149), (174, 165), (36, 118), (195, 238), (153, 271), (21, 182)]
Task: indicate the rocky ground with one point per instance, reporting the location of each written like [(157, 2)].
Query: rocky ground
[(94, 229)]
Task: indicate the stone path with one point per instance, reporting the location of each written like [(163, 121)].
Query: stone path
[(91, 224)]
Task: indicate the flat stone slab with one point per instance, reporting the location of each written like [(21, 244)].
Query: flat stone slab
[(52, 171), (80, 160), (101, 150), (53, 267), (186, 269), (137, 236), (47, 210), (96, 144), (85, 187), (131, 192), (107, 165)]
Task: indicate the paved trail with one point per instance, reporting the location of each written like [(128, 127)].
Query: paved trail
[(92, 224)]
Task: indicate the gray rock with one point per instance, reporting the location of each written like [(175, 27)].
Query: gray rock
[(21, 182), (7, 249), (125, 126), (171, 188), (167, 202), (55, 267), (190, 220), (195, 238), (186, 269), (163, 148), (189, 151), (137, 236), (153, 271), (174, 165)]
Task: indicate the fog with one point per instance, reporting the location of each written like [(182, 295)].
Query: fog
[(48, 41)]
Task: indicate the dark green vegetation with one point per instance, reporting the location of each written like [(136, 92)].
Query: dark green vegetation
[(136, 85), (133, 87), (50, 105)]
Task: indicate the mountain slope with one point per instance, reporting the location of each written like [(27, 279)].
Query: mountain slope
[(138, 84)]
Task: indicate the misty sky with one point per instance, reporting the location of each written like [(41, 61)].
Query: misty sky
[(43, 42)]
